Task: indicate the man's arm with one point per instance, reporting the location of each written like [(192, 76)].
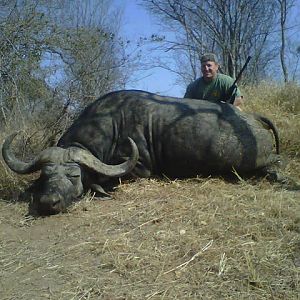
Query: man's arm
[(188, 92), (191, 90), (238, 98), (233, 91), (238, 102)]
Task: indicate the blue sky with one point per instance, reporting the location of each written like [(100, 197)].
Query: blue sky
[(137, 22)]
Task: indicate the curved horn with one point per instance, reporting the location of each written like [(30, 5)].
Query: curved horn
[(15, 164), (84, 157)]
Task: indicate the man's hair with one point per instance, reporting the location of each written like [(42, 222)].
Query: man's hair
[(208, 57)]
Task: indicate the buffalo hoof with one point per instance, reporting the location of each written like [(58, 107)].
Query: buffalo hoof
[(287, 182)]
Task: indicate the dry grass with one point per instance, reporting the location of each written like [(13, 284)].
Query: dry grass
[(281, 105), (201, 238), (192, 239)]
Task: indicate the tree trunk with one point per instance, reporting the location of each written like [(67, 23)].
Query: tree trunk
[(283, 14)]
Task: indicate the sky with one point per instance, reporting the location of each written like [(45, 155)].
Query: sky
[(137, 22)]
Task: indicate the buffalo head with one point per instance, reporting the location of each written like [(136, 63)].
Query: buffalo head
[(62, 171)]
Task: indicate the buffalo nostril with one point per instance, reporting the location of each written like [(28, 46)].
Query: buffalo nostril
[(50, 201), (49, 205)]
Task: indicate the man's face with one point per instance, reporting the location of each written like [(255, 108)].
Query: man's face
[(209, 70)]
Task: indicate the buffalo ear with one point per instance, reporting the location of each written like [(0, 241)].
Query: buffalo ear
[(99, 192)]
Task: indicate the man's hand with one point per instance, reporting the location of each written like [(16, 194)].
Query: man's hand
[(238, 102)]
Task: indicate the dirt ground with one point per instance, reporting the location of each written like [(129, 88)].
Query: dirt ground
[(157, 239)]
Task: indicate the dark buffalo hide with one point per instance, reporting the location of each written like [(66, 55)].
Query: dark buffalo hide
[(174, 137)]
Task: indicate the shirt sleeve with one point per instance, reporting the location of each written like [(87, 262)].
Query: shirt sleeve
[(229, 82), (192, 90), (188, 92)]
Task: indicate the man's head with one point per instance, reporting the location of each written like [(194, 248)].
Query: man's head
[(209, 66)]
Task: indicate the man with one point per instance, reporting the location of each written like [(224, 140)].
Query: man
[(212, 86)]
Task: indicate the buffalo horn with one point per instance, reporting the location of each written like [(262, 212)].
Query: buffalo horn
[(60, 155), (15, 164), (87, 159)]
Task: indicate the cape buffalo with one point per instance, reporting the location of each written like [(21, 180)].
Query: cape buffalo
[(167, 136)]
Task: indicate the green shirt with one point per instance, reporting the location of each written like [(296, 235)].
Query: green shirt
[(214, 90)]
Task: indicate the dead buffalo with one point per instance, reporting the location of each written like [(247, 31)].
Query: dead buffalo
[(167, 136)]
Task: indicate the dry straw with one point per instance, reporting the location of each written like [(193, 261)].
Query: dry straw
[(201, 238)]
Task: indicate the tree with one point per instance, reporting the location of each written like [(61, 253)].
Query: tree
[(283, 15), (232, 29), (55, 57), (94, 57), (285, 9), (23, 32)]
